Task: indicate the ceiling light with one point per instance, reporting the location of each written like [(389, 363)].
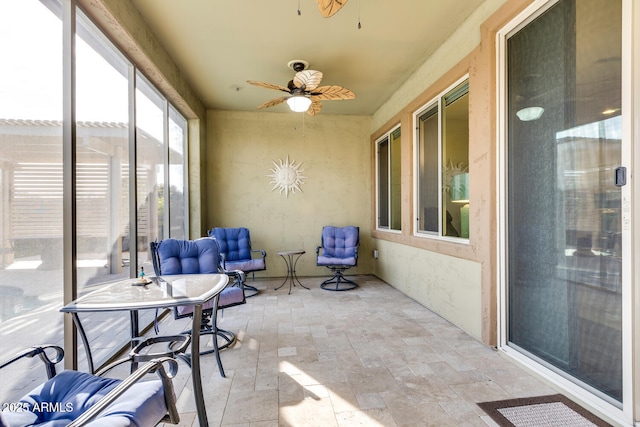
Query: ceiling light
[(530, 113), (299, 103)]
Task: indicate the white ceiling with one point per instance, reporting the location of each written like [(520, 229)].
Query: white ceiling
[(219, 45)]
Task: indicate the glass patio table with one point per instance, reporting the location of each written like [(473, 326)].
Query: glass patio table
[(160, 292)]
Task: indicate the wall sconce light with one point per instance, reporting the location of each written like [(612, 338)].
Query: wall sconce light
[(530, 113), (460, 194), (299, 103)]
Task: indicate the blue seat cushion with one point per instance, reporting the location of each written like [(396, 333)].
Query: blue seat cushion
[(188, 309), (69, 394), (200, 256), (231, 296), (335, 261), (247, 265)]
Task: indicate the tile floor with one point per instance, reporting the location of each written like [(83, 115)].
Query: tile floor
[(366, 357)]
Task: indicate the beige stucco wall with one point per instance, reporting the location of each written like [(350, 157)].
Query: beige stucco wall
[(454, 279), (334, 152), (460, 44), (449, 286)]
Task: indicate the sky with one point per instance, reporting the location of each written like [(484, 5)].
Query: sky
[(31, 69)]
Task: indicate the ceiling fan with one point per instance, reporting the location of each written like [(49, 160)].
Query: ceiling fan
[(304, 91)]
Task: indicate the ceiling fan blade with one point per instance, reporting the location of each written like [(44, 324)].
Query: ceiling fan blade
[(332, 93), (328, 7), (268, 85), (274, 102), (309, 78), (314, 108)]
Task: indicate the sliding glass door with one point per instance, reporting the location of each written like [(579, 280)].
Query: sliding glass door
[(563, 191)]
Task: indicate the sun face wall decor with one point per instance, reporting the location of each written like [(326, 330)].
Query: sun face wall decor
[(287, 176)]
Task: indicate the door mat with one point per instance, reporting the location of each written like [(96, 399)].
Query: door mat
[(541, 411)]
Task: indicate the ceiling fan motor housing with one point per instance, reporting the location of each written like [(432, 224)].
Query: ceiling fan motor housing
[(298, 65)]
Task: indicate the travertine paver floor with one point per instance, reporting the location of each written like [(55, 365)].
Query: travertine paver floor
[(366, 357)]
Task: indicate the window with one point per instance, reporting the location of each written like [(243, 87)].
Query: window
[(178, 219), (150, 107), (388, 154), (102, 168), (32, 213), (31, 221), (442, 164)]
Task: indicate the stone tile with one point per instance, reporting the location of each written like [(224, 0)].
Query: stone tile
[(287, 351), (251, 406), (289, 390), (342, 397), (369, 357), (366, 418), (308, 413), (370, 401)]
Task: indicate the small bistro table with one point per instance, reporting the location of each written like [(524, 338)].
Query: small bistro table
[(166, 291), (290, 261)]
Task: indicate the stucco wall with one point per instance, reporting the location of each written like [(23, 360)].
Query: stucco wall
[(454, 279), (334, 152), (447, 285)]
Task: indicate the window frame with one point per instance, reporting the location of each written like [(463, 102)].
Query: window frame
[(388, 136), (435, 102), (78, 25)]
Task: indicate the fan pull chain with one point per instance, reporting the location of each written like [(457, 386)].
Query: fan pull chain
[(299, 13), (359, 25)]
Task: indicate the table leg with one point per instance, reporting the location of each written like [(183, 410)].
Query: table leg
[(85, 341), (195, 366), (135, 334), (292, 277), (288, 264), (293, 273)]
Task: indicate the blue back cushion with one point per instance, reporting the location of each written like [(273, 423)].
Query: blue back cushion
[(235, 243), (340, 242), (201, 256)]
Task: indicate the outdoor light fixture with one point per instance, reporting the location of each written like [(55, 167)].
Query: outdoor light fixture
[(530, 113), (299, 103)]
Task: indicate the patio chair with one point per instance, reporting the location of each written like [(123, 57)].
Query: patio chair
[(237, 254), (201, 256), (73, 398), (338, 252)]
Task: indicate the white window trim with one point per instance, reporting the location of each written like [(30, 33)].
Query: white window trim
[(388, 136), (436, 100)]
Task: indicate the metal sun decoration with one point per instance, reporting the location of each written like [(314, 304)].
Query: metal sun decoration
[(287, 176)]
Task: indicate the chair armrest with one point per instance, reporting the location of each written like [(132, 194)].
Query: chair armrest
[(262, 252), (153, 366), (50, 364), (238, 277), (318, 249)]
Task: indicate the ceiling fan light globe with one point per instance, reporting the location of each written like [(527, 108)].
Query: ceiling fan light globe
[(530, 113), (299, 103)]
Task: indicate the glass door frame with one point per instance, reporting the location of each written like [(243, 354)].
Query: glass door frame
[(630, 216)]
